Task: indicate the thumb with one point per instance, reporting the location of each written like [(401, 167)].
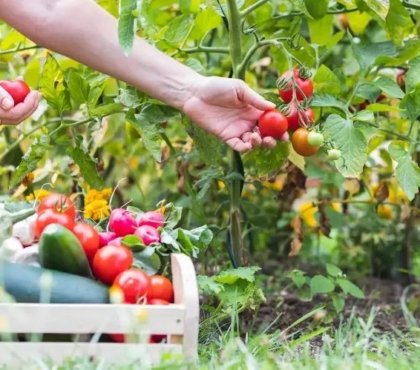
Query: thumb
[(254, 99), (6, 101)]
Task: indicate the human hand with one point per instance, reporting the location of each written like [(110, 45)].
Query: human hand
[(12, 115), (228, 109)]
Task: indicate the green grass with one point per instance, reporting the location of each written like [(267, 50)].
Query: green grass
[(354, 344)]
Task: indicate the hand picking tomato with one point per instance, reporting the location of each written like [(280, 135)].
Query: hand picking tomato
[(160, 288), (296, 118), (272, 123), (300, 143), (18, 90), (134, 284), (293, 81), (50, 216), (88, 237), (59, 203), (110, 261)]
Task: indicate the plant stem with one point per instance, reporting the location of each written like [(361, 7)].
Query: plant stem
[(409, 5), (206, 49), (396, 134), (17, 49), (234, 20), (252, 7)]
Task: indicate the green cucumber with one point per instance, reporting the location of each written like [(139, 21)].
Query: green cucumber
[(30, 284), (59, 249)]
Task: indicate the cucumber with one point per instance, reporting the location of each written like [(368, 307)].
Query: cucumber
[(25, 282), (59, 249)]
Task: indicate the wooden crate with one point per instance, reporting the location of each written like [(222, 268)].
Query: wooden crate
[(179, 321)]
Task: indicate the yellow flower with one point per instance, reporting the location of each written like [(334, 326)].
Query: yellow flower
[(38, 195), (96, 203)]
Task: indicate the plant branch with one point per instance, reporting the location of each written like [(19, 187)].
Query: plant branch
[(402, 137), (409, 5), (17, 49), (206, 49), (252, 7)]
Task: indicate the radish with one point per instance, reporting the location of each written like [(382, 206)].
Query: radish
[(122, 222), (116, 242), (9, 248), (106, 237), (24, 231), (148, 234), (151, 218)]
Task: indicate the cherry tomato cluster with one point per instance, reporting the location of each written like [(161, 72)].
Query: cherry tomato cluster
[(110, 259), (295, 88)]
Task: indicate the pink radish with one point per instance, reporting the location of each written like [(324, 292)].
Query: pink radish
[(116, 242), (122, 222), (148, 234), (106, 237), (151, 218)]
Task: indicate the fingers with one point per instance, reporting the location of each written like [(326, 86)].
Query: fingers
[(239, 145), (250, 97), (21, 111), (269, 142), (6, 101)]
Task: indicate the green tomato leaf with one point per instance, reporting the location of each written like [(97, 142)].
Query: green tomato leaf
[(321, 30), (327, 101), (262, 161), (30, 160), (326, 81), (318, 8), (126, 24), (78, 86), (52, 86), (412, 77), (408, 176), (379, 8), (106, 110), (205, 21), (367, 53), (350, 140), (411, 104), (389, 87), (320, 285), (398, 21), (349, 288), (87, 167), (178, 29)]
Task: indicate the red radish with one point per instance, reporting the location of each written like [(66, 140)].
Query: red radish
[(148, 234), (122, 222), (152, 218), (116, 242), (105, 238)]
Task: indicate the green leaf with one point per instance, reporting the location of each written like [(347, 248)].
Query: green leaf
[(263, 161), (126, 24), (411, 104), (366, 53), (398, 22), (333, 270), (298, 277), (52, 86), (106, 110), (408, 176), (87, 167), (389, 87), (231, 276), (321, 30), (148, 260), (195, 240), (320, 285), (364, 116), (412, 77), (377, 7), (378, 107), (327, 101), (349, 288), (317, 9), (350, 140), (326, 81), (31, 159), (78, 87), (133, 242), (338, 302), (178, 29), (173, 215), (205, 21), (368, 91), (208, 286)]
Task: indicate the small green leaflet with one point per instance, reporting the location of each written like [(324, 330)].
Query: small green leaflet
[(338, 302), (31, 159), (398, 22), (205, 21), (126, 24), (87, 167), (178, 29), (320, 285), (207, 285), (378, 7), (326, 81), (349, 288), (231, 276), (412, 78), (333, 270), (327, 101), (350, 140), (367, 53), (389, 87), (408, 176), (52, 86), (317, 9)]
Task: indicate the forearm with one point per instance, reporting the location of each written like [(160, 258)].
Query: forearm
[(82, 30)]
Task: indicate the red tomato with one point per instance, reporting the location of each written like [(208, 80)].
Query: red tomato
[(160, 288), (300, 143), (304, 87), (49, 216), (296, 118), (18, 90), (88, 237), (58, 202), (134, 284), (110, 261), (272, 123)]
